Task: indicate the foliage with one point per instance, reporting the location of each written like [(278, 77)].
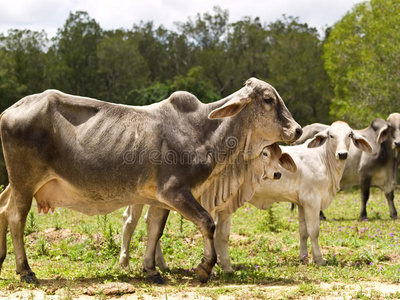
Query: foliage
[(362, 59), (297, 72)]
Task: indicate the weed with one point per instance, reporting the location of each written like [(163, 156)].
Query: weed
[(42, 246), (31, 223), (57, 223)]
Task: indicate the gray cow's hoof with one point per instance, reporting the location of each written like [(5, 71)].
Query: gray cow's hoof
[(30, 278), (321, 262), (202, 274), (156, 279)]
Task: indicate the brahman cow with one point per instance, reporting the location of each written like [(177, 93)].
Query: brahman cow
[(265, 167), (312, 188), (95, 157), (378, 169)]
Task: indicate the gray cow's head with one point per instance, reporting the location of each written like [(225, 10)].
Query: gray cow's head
[(339, 135), (268, 115), (391, 131)]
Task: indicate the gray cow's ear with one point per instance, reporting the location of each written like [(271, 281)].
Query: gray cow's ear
[(319, 139), (383, 134), (287, 162), (231, 108), (361, 142)]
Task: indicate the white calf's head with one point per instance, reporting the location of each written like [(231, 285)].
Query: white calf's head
[(338, 137), (271, 160)]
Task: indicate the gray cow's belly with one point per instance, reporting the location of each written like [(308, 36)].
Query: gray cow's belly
[(60, 193)]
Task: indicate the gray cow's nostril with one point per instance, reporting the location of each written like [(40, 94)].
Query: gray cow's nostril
[(277, 175), (299, 132), (343, 155)]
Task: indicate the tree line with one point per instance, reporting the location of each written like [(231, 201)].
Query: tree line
[(207, 56)]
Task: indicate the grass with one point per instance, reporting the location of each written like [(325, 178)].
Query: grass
[(69, 249)]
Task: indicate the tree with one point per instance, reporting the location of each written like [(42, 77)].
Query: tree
[(362, 56), (207, 35), (296, 70), (23, 64), (75, 55), (247, 50), (121, 66)]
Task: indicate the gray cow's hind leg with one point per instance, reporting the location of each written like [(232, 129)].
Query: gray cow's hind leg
[(392, 209), (131, 218), (160, 262), (17, 211), (156, 219)]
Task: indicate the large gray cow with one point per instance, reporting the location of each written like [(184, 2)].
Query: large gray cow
[(378, 169), (95, 157)]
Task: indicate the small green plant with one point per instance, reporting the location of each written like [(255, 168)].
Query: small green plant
[(57, 222), (31, 223), (270, 222), (42, 246)]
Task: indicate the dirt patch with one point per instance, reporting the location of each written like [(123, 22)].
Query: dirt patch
[(89, 290), (110, 289), (55, 235)]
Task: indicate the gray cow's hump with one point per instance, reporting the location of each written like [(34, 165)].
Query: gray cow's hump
[(184, 102), (377, 124)]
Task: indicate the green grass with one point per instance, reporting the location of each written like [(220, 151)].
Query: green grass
[(68, 248)]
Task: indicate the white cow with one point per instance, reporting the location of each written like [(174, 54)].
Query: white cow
[(267, 166), (316, 182), (320, 164)]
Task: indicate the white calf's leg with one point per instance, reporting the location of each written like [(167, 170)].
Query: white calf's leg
[(303, 235), (131, 217), (311, 213), (221, 241)]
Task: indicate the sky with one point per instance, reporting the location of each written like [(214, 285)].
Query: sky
[(49, 15)]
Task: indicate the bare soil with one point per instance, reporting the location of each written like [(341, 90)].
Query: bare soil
[(90, 290)]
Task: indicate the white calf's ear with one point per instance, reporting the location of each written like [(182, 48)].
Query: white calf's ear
[(287, 162), (383, 134), (233, 106), (361, 143), (319, 139)]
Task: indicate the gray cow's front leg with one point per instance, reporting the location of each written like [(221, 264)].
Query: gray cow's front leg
[(311, 213), (184, 203), (156, 219), (365, 184), (221, 241), (131, 218), (392, 209)]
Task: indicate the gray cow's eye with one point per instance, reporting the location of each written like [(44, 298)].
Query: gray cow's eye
[(331, 136), (269, 100)]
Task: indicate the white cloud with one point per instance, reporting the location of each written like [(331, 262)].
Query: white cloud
[(112, 14)]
